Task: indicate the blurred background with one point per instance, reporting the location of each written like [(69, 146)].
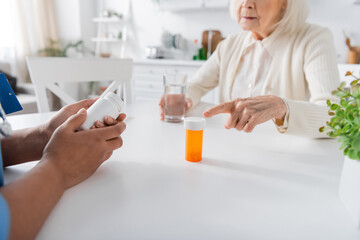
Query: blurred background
[(160, 35)]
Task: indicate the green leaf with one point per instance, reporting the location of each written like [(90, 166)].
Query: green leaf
[(328, 102), (335, 92), (338, 132), (343, 122), (357, 121), (353, 154), (356, 93), (334, 121), (353, 83), (350, 107), (346, 128), (344, 145), (331, 134), (342, 85), (352, 134), (322, 129), (334, 106), (341, 94), (340, 113), (355, 86), (343, 103), (356, 144)]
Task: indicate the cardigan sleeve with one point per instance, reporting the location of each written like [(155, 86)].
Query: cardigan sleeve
[(322, 76), (206, 78)]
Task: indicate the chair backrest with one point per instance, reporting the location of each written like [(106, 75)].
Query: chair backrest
[(45, 72)]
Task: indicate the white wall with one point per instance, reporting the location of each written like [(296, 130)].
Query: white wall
[(150, 22), (68, 18), (74, 18), (338, 15)]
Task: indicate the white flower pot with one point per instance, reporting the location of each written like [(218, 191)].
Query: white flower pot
[(350, 188)]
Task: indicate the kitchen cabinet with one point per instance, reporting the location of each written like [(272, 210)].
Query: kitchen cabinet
[(147, 82)]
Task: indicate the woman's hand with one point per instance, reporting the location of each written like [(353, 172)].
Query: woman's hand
[(188, 105), (246, 113), (77, 154)]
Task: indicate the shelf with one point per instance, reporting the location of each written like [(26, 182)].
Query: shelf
[(112, 24), (108, 20), (114, 40)]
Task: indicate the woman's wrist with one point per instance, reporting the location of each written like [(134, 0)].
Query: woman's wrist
[(282, 124), (281, 113)]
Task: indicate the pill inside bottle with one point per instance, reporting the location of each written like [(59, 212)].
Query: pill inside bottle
[(194, 138)]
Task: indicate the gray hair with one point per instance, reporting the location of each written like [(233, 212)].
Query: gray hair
[(295, 15)]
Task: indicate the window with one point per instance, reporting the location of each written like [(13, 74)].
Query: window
[(7, 32)]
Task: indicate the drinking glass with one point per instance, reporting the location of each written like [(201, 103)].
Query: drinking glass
[(174, 96)]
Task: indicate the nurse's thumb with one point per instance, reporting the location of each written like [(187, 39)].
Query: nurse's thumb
[(76, 120)]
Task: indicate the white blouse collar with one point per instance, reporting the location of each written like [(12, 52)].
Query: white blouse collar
[(269, 43)]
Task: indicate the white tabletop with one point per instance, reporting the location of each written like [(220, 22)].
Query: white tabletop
[(262, 185)]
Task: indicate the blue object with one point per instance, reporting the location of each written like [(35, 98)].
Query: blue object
[(4, 219), (4, 208), (1, 169), (8, 99)]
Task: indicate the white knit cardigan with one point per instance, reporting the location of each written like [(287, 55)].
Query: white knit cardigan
[(303, 72)]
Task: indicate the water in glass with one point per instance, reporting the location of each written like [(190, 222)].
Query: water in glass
[(174, 95)]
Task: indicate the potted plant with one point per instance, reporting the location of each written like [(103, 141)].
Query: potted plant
[(345, 126), (54, 50)]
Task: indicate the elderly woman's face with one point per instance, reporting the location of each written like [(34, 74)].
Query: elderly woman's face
[(259, 16)]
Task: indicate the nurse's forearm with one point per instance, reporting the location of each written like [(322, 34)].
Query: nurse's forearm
[(24, 145), (32, 198)]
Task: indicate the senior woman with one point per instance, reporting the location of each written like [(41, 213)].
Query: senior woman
[(280, 68)]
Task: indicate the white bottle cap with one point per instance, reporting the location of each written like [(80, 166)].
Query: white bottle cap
[(194, 123), (116, 100)]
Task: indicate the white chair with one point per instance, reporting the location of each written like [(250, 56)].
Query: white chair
[(46, 72)]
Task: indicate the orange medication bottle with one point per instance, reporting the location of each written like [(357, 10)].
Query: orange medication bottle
[(194, 138)]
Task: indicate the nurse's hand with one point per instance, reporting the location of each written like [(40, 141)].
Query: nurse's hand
[(77, 154), (188, 105), (64, 113), (72, 109), (246, 113), (109, 121)]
